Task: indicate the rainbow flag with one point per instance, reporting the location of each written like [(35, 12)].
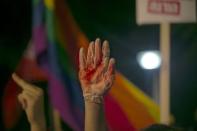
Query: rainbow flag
[(56, 39)]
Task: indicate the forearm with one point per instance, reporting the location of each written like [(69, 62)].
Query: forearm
[(38, 128), (39, 125), (96, 75), (94, 117)]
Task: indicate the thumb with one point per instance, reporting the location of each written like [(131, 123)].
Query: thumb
[(22, 101)]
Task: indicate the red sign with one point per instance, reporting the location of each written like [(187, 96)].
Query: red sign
[(166, 7)]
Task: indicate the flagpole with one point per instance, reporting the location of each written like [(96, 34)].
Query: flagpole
[(165, 73)]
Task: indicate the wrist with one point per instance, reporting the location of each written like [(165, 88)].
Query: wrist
[(97, 99)]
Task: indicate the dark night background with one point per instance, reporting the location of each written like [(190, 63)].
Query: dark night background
[(113, 20)]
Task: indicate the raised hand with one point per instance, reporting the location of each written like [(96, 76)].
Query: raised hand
[(96, 71), (32, 101)]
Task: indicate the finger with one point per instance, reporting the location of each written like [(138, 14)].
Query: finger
[(22, 101), (106, 54), (23, 84), (105, 64), (110, 74), (90, 54), (27, 99), (31, 95), (82, 59), (111, 67), (109, 82), (106, 49), (97, 52)]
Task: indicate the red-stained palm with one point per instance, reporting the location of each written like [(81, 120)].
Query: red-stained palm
[(96, 72)]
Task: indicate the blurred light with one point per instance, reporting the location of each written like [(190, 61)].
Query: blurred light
[(149, 59)]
